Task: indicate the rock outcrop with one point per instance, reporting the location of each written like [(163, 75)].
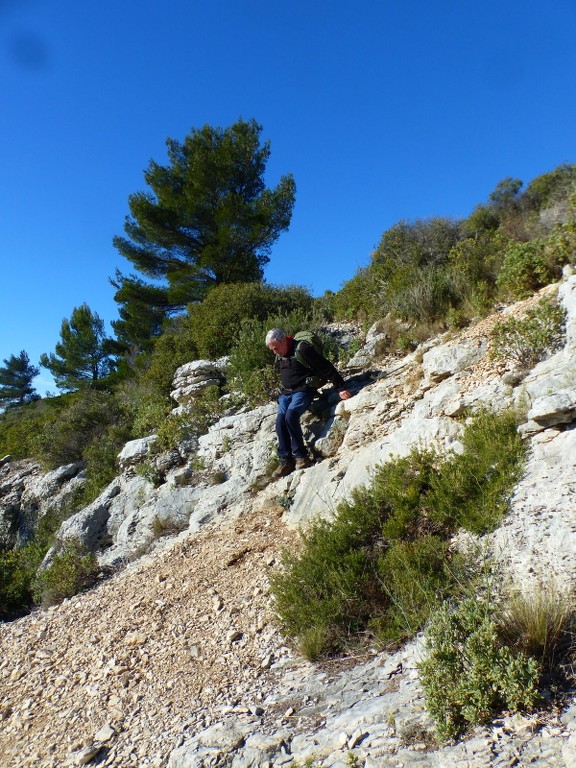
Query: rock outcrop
[(176, 661)]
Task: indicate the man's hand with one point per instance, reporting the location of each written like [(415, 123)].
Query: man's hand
[(345, 394)]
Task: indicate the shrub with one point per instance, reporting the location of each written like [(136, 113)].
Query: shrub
[(531, 338), (479, 258), (473, 487), (426, 296), (357, 299), (213, 324), (73, 422), (20, 427), (383, 562), (17, 571), (416, 576), (101, 462), (525, 269), (327, 592), (70, 571), (469, 675), (336, 585)]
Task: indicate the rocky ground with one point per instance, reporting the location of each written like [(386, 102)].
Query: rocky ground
[(177, 662), (151, 655)]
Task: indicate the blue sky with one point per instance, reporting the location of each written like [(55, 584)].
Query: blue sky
[(382, 110)]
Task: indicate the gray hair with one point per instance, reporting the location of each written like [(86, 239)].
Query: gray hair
[(275, 335)]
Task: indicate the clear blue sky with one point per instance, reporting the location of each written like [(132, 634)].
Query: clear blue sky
[(383, 110)]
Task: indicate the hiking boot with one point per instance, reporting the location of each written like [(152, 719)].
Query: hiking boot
[(285, 468), (303, 463)]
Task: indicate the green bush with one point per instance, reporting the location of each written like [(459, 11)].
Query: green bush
[(526, 268), (17, 571), (475, 263), (192, 422), (213, 325), (527, 340), (101, 457), (327, 593), (416, 576), (357, 299), (335, 587), (383, 562), (73, 422), (426, 296), (473, 487), (70, 571), (469, 675), (20, 427)]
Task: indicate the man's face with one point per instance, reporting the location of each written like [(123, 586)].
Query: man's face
[(279, 347)]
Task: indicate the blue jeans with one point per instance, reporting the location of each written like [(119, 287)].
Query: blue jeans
[(288, 429)]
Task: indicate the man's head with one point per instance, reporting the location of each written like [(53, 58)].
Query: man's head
[(277, 341)]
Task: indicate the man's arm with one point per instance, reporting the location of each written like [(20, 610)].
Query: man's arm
[(324, 368)]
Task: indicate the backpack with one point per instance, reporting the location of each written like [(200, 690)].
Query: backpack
[(315, 381)]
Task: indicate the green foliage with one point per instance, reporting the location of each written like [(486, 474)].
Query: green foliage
[(16, 380), (416, 576), (357, 298), (82, 356), (207, 219), (406, 275), (214, 323), (437, 271), (70, 571), (17, 570), (20, 427), (472, 489), (101, 455), (383, 562), (335, 586), (528, 339), (425, 295), (328, 591), (469, 676), (143, 310), (72, 423), (478, 259), (550, 188), (424, 242), (525, 269)]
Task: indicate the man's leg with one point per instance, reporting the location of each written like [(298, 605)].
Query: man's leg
[(299, 402), (282, 433)]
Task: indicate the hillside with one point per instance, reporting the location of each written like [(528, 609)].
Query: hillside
[(175, 660)]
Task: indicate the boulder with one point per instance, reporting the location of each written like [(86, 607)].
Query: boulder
[(135, 452), (192, 378)]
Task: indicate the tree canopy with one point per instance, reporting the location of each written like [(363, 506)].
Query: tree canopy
[(208, 218), (16, 380), (83, 354)]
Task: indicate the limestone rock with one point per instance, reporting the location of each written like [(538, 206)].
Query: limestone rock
[(190, 379), (135, 451), (446, 360)]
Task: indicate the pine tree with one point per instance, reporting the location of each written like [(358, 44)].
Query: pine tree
[(208, 219), (16, 381), (83, 354)]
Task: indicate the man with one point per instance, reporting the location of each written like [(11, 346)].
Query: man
[(296, 395)]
